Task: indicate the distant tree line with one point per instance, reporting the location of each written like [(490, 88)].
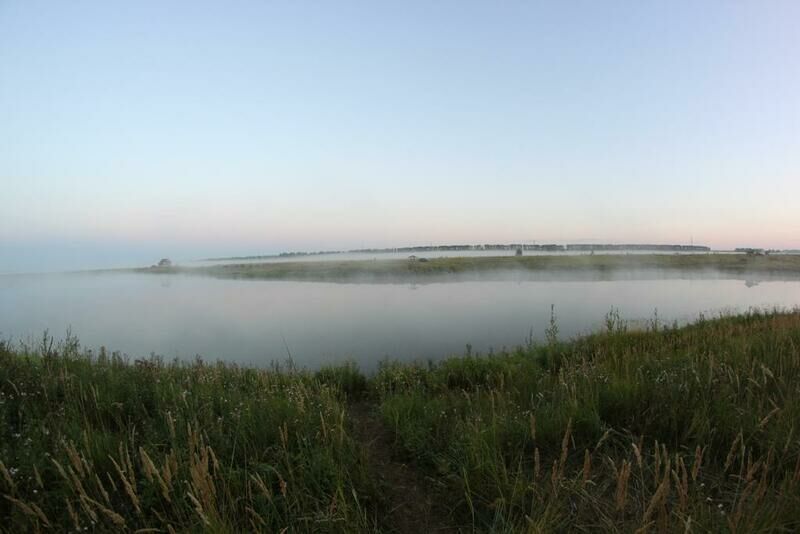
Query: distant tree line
[(676, 248), (543, 247)]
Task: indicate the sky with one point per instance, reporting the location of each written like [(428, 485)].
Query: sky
[(130, 131)]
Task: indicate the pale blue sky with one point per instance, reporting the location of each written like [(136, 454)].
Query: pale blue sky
[(134, 130)]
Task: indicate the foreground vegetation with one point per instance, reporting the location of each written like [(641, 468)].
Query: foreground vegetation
[(693, 429), (549, 266)]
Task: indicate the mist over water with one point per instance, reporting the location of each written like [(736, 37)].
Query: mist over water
[(256, 322)]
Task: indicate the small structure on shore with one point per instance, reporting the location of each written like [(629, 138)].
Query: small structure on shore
[(518, 252), (752, 251), (412, 258)]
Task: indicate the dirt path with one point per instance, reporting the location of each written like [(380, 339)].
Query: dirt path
[(410, 503)]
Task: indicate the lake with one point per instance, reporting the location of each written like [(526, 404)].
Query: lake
[(256, 322)]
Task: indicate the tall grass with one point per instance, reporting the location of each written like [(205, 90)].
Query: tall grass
[(693, 429), (95, 442)]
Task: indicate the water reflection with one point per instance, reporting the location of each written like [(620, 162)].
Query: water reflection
[(255, 322)]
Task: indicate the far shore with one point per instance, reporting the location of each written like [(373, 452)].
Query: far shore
[(555, 266)]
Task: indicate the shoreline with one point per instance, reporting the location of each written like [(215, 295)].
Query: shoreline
[(95, 440), (588, 267)]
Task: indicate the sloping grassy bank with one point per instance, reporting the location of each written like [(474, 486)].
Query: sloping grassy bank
[(91, 442), (404, 270), (667, 430)]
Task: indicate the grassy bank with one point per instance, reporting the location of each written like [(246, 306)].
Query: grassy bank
[(667, 430), (604, 264), (90, 441)]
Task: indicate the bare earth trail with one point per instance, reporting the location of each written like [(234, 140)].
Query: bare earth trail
[(411, 503)]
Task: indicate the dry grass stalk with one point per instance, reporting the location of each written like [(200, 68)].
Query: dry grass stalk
[(732, 452), (37, 477), (698, 461), (7, 476), (766, 419), (681, 478), (587, 466), (752, 468), (762, 487), (788, 440), (554, 478), (733, 522), (102, 488), (796, 476), (621, 494), (41, 514), (170, 468), (638, 454), (201, 479), (284, 433), (657, 468), (112, 482), (198, 508), (255, 516), (602, 439), (75, 521), (76, 482), (171, 425), (659, 497), (114, 517), (152, 473), (85, 504), (214, 460), (564, 449), (27, 510), (129, 489), (262, 486), (129, 464), (75, 459)]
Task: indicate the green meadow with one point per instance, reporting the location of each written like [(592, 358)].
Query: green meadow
[(658, 429)]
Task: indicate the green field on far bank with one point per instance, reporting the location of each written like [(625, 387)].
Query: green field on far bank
[(667, 429), (787, 266)]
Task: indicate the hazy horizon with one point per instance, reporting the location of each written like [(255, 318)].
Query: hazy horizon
[(60, 257), (136, 131)]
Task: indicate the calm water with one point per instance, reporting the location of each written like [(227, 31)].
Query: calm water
[(254, 322)]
